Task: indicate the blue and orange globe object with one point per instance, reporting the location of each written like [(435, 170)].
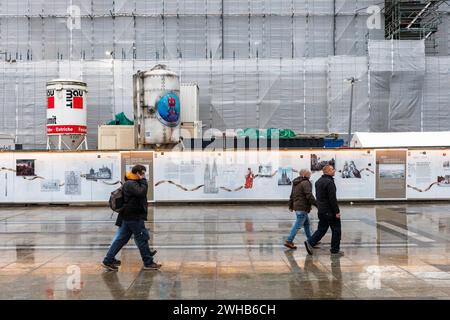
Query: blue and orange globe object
[(168, 109)]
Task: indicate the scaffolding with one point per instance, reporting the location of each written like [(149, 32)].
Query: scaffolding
[(413, 20)]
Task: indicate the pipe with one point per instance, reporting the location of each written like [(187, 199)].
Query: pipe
[(223, 37)]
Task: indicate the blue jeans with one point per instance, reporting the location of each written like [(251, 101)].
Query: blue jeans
[(118, 234), (123, 235), (302, 221)]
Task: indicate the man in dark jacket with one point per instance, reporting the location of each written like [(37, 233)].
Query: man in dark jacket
[(300, 202), (328, 212), (131, 220)]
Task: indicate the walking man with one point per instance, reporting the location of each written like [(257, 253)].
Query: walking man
[(328, 212), (300, 202), (132, 221)]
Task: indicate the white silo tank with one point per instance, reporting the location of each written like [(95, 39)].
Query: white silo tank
[(161, 118), (66, 114)]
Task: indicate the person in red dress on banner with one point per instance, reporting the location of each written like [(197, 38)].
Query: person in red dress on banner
[(249, 179)]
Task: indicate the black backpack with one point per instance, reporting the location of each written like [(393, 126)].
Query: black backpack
[(117, 200)]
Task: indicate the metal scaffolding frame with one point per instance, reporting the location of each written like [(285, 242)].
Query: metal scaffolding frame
[(413, 20)]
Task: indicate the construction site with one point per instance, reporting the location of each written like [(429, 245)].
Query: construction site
[(226, 137)]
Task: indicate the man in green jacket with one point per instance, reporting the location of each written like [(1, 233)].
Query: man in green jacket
[(300, 202)]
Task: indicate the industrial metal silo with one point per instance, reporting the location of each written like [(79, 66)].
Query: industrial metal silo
[(66, 115), (157, 107)]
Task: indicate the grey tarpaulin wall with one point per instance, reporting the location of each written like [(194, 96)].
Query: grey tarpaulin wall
[(258, 63), (397, 72), (191, 29), (436, 94), (406, 91), (341, 68)]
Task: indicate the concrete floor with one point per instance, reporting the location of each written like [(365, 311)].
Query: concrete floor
[(392, 251)]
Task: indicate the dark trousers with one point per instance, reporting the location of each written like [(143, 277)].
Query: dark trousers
[(328, 221), (141, 237)]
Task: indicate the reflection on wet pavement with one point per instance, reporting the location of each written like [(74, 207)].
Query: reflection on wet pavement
[(226, 252)]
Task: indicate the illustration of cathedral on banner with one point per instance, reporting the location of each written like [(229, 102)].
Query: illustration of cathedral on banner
[(210, 178), (285, 176)]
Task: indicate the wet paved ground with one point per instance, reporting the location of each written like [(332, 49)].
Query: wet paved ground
[(227, 252)]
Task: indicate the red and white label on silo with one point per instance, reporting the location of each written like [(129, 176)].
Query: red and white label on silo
[(77, 103), (50, 102), (66, 129), (66, 111)]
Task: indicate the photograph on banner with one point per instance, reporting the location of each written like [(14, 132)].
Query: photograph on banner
[(355, 174), (285, 176), (265, 170), (428, 174), (318, 160), (321, 159), (392, 171), (102, 173), (25, 168), (391, 174)]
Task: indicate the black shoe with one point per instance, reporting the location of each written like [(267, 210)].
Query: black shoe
[(309, 248), (110, 266), (152, 253), (153, 266), (337, 254), (117, 262)]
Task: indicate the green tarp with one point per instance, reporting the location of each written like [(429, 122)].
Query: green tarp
[(269, 133), (121, 120)]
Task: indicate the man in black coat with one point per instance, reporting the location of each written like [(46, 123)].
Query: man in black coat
[(131, 220), (328, 212)]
